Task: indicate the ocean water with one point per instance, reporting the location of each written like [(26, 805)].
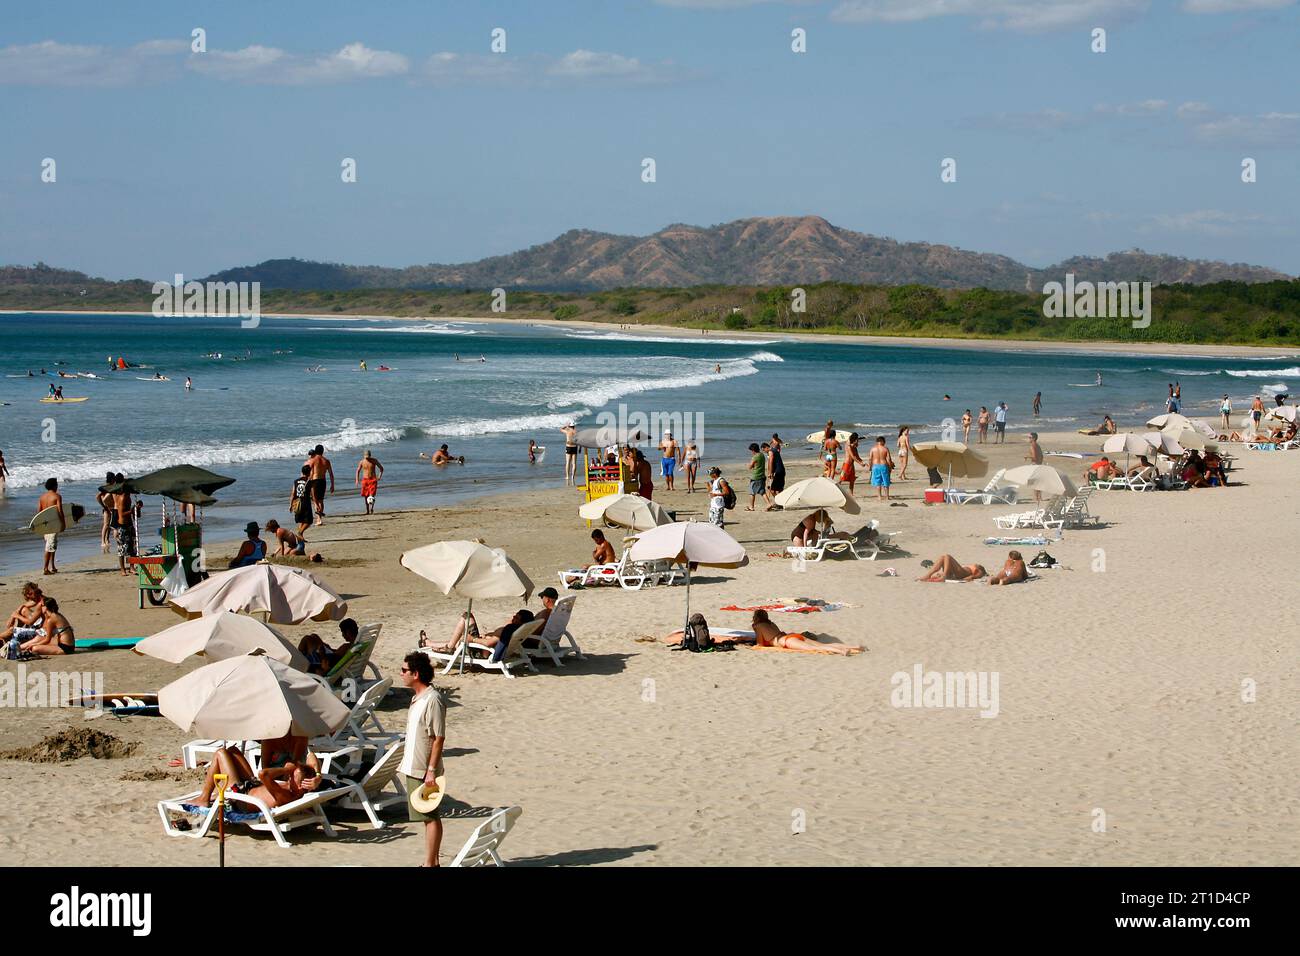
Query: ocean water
[(255, 411)]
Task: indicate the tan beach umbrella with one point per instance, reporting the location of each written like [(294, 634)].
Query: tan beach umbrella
[(285, 595), (1043, 478), (251, 698), (690, 542), (220, 636), (817, 493), (1167, 443), (626, 511), (472, 570), (957, 458), (1129, 443), (606, 435), (1174, 422)]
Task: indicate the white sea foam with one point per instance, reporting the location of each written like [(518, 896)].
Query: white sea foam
[(625, 337), (602, 392), (409, 329), (1264, 373), (140, 458), (469, 428)]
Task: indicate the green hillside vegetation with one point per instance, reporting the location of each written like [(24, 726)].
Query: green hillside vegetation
[(1239, 313)]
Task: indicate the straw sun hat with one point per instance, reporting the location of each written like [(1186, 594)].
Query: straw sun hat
[(427, 798)]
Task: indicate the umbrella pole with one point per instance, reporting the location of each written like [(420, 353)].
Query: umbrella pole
[(220, 779), (464, 635), (688, 601)]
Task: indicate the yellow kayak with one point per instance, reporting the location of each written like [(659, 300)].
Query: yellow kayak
[(65, 401)]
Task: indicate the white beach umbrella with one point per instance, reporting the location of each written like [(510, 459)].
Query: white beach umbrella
[(472, 570), (690, 542), (817, 493), (1172, 421), (1043, 478), (251, 698), (1283, 413), (219, 637), (285, 595), (626, 511), (956, 457)]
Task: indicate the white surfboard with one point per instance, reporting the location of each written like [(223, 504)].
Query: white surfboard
[(816, 438), (47, 520)]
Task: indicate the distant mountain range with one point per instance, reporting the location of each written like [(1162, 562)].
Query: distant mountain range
[(782, 250)]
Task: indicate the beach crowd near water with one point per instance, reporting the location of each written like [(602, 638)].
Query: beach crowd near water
[(474, 706)]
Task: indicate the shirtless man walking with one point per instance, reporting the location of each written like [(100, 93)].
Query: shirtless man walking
[(671, 454), (369, 471), (52, 499), (881, 464), (570, 451), (320, 468)]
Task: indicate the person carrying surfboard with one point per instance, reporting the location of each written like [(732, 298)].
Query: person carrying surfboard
[(52, 499)]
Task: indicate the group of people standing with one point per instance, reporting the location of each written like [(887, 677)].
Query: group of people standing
[(878, 460), (998, 418), (120, 513)]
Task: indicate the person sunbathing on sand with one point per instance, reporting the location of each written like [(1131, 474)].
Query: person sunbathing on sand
[(769, 635), (1012, 572), (948, 568), (274, 786), (1107, 427)]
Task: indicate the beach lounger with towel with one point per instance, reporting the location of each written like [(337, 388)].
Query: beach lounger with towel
[(303, 812)]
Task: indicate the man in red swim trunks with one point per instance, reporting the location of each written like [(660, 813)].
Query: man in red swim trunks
[(369, 471)]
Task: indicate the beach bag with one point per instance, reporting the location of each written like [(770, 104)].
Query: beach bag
[(1043, 560), (696, 638), (728, 498)]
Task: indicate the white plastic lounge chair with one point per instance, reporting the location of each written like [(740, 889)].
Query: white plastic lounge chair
[(479, 655), (552, 637), (990, 493), (303, 812), (1076, 514), (481, 847), (823, 547), (1048, 515), (379, 788), (866, 550)]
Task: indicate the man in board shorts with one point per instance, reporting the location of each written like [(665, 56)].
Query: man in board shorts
[(320, 468), (881, 464), (668, 462), (369, 471)]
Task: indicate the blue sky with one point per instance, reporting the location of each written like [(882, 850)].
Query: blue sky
[(172, 161)]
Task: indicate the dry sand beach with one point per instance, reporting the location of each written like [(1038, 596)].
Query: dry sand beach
[(1120, 691)]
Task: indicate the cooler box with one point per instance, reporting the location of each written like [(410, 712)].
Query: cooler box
[(934, 496)]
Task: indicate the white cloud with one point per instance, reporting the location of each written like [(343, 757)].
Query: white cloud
[(260, 64), (1022, 15), (1261, 129), (580, 66), (1233, 6), (50, 63), (1205, 222)]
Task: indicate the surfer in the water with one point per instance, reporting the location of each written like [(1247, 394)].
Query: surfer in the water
[(1099, 378)]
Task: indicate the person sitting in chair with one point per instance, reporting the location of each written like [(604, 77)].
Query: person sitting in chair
[(252, 550)]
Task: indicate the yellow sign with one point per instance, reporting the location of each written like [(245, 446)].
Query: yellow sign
[(598, 489)]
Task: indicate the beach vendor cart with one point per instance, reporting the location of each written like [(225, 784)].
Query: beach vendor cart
[(603, 477), (186, 489)]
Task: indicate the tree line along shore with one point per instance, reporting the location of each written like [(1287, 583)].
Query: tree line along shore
[(1223, 313)]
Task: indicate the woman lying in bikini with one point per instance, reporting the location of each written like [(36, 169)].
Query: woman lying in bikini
[(948, 568), (769, 635), (282, 780)]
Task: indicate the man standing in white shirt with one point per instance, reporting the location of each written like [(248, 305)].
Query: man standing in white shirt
[(1000, 422), (426, 725)]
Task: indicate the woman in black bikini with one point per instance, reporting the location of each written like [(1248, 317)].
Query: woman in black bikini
[(55, 637), (289, 770)]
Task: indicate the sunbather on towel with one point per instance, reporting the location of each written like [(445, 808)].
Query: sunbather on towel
[(1012, 572), (769, 635), (275, 785), (492, 638), (948, 568)]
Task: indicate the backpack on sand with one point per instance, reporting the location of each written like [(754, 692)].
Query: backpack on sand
[(1043, 560), (697, 637)]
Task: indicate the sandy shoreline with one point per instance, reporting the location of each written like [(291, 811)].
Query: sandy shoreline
[(1120, 692), (1028, 345)]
